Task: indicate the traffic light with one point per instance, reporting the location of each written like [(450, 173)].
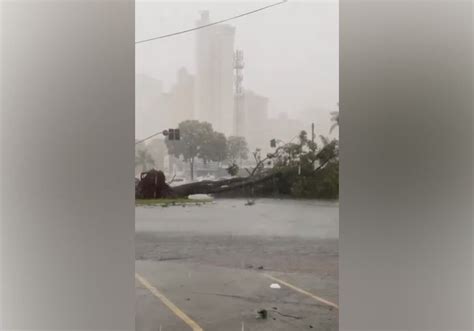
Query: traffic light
[(171, 134)]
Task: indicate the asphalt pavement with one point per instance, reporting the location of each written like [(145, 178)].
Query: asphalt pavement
[(212, 267)]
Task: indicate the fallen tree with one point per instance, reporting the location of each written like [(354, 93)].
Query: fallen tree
[(152, 185), (299, 170), (220, 186)]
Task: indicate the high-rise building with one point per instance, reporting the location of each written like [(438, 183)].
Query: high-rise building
[(182, 94), (256, 119), (285, 128), (148, 105), (214, 75)]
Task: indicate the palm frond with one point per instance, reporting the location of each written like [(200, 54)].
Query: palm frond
[(325, 140)]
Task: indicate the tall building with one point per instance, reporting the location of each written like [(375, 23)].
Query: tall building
[(285, 128), (214, 75), (182, 94), (148, 105), (256, 119)]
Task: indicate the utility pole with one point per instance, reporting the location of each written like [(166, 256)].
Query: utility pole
[(312, 132)]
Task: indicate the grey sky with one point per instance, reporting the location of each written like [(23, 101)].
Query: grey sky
[(291, 51)]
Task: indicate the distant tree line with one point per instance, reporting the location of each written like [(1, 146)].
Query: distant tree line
[(200, 141)]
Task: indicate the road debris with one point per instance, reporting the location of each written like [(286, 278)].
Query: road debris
[(262, 314), (287, 315), (200, 197), (172, 258)]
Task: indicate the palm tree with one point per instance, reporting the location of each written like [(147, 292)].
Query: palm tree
[(335, 119), (144, 159)]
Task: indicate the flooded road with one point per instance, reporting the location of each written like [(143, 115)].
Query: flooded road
[(215, 263), (267, 217)]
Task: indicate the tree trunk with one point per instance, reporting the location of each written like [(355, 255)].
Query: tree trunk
[(152, 183), (220, 186), (191, 162)]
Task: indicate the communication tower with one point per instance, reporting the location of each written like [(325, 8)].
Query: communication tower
[(239, 116)]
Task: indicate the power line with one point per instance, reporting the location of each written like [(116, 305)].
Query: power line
[(210, 24)]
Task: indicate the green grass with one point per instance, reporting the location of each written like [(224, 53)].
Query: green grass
[(169, 202)]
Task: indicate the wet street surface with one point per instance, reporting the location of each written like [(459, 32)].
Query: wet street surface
[(210, 267)]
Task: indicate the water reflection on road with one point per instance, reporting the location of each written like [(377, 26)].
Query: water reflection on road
[(267, 217), (216, 263)]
